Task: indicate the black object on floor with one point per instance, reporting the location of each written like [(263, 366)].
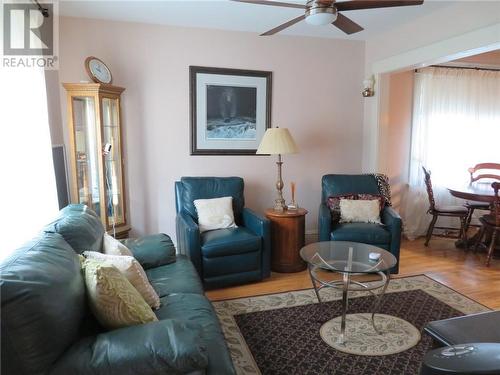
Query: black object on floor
[(482, 327), (469, 359)]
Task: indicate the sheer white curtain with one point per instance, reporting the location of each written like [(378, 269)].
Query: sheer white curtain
[(456, 124), (28, 190)]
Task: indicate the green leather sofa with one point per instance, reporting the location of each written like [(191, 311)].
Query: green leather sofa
[(47, 327)]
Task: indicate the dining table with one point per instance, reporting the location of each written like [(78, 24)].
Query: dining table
[(479, 191)]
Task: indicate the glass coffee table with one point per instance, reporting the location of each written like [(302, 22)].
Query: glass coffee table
[(348, 259)]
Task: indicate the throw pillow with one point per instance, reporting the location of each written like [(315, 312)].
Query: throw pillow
[(359, 211), (112, 246), (113, 300), (371, 197), (134, 273), (333, 204), (384, 187), (215, 213)]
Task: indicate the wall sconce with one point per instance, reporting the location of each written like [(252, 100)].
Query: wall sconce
[(368, 85)]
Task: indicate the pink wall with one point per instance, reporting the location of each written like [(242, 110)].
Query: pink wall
[(316, 94), (395, 131), (488, 58)]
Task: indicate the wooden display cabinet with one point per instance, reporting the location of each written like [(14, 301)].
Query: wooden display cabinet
[(97, 178)]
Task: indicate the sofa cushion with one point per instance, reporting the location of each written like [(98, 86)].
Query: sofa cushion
[(80, 227), (43, 302), (197, 309), (177, 277), (162, 347), (361, 232), (230, 241)]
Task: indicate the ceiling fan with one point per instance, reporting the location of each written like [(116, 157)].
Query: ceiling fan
[(323, 12)]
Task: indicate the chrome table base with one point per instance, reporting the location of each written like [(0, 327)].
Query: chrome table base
[(347, 285)]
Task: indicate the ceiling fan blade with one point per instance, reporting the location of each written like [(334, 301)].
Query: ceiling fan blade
[(347, 25), (273, 3), (277, 29), (370, 4)]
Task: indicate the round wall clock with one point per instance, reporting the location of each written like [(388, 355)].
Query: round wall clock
[(97, 70)]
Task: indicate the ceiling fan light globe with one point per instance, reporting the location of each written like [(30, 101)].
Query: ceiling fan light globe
[(321, 16)]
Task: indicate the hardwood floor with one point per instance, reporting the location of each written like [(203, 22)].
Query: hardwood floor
[(463, 271)]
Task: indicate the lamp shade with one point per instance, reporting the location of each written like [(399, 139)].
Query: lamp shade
[(277, 141)]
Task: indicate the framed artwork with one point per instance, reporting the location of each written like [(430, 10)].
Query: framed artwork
[(230, 110)]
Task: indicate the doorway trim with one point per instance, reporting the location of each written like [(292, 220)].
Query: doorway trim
[(472, 43)]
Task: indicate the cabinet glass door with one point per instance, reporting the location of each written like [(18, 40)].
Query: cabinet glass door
[(86, 148), (112, 161)]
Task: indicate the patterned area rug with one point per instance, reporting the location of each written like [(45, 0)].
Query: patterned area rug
[(393, 335), (280, 333)]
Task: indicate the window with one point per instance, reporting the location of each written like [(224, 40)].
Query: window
[(456, 124), (27, 188)]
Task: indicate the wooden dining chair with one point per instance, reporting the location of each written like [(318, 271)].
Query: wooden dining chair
[(491, 222), (480, 172), (448, 211)]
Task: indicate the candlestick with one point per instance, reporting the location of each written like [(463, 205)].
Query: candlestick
[(293, 205)]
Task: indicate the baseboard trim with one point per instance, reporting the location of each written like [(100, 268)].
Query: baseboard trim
[(311, 236)]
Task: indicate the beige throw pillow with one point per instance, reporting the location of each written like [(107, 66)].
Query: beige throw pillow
[(112, 246), (114, 301), (359, 211), (133, 271), (216, 213)]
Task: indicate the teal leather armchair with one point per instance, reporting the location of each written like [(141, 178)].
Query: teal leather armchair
[(386, 236), (225, 256)]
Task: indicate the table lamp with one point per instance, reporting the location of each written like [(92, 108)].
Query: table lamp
[(278, 141)]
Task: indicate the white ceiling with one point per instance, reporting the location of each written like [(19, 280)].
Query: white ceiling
[(228, 15)]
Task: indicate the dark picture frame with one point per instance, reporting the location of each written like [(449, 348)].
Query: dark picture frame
[(230, 111)]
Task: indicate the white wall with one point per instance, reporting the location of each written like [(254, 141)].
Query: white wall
[(316, 94)]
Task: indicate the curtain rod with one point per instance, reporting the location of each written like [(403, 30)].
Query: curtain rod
[(44, 11), (461, 67)]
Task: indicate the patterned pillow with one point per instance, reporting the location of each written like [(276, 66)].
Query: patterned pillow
[(134, 273), (383, 187), (112, 246), (333, 204), (113, 300)]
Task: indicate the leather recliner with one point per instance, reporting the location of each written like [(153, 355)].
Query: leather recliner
[(386, 236), (222, 257)]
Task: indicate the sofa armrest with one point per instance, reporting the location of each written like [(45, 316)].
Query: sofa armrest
[(324, 222), (188, 239), (392, 220), (163, 347), (152, 250), (260, 226)]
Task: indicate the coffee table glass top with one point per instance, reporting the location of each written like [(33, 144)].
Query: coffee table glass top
[(337, 256)]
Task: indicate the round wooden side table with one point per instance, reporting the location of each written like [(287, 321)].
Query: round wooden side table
[(287, 238)]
